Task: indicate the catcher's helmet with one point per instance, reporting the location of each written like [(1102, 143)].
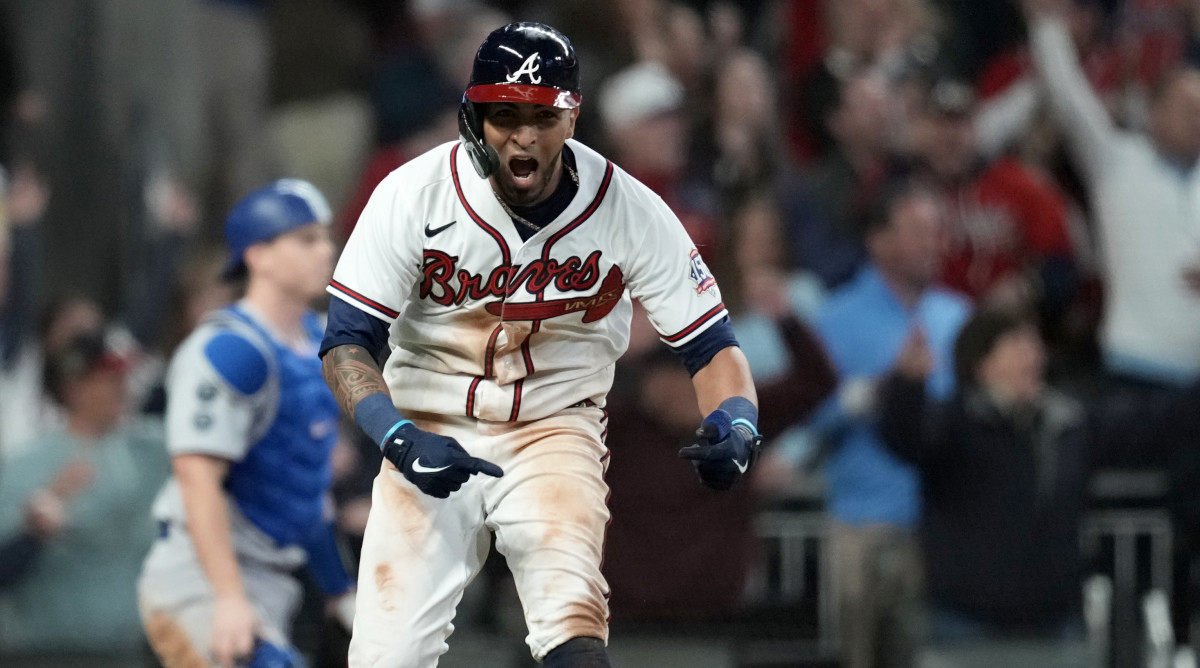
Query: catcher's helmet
[(522, 62), (268, 212)]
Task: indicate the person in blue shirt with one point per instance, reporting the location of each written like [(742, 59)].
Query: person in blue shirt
[(890, 308)]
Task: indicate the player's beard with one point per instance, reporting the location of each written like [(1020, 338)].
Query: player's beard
[(514, 196)]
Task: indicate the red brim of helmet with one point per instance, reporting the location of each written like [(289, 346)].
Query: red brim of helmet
[(524, 94)]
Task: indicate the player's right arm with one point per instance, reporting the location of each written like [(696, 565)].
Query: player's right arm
[(379, 266), (437, 465), (217, 386), (235, 623)]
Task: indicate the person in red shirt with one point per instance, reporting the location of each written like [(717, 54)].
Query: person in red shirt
[(1008, 240)]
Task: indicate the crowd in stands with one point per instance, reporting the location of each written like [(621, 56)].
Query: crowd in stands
[(960, 240)]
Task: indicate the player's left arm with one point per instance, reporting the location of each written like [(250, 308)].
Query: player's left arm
[(726, 375), (728, 441)]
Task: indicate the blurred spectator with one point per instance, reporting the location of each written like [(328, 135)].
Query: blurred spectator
[(82, 493), (414, 88), (320, 121), (1145, 192), (1088, 22), (894, 38), (656, 506), (1004, 468), (197, 289), (643, 118), (22, 202), (872, 496), (825, 212), (1007, 234), (230, 83), (1154, 35), (737, 148), (28, 411)]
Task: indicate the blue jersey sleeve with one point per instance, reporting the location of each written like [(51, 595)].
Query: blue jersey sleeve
[(698, 352), (348, 324)]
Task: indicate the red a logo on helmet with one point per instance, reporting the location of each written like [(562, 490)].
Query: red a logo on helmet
[(530, 67)]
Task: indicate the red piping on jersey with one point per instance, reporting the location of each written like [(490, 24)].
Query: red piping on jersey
[(471, 396), (527, 356), (471, 212), (364, 300), (695, 325), (512, 417), (587, 213), (490, 352)]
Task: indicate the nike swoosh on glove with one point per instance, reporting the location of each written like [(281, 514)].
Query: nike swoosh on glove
[(725, 450), (437, 465)]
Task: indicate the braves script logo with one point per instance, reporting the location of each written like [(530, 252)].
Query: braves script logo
[(530, 67), (444, 283)]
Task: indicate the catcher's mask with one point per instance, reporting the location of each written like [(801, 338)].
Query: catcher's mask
[(523, 62)]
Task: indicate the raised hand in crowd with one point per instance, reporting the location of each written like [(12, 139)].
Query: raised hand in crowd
[(46, 511)]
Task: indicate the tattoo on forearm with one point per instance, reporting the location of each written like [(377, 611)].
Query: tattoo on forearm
[(352, 374)]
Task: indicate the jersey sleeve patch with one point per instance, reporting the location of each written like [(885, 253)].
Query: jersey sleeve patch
[(238, 361), (698, 271)]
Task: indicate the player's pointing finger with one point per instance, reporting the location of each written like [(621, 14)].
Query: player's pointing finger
[(476, 465)]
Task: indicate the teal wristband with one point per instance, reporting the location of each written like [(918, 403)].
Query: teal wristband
[(392, 432)]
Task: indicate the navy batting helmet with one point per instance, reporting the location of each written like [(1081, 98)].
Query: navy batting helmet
[(522, 62), (268, 212)]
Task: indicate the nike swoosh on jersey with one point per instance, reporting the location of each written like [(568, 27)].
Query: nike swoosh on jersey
[(740, 466), (419, 468), (429, 232)]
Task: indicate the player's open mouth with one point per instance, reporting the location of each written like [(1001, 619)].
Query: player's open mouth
[(523, 169)]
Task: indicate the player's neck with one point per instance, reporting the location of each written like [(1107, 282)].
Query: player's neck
[(281, 311)]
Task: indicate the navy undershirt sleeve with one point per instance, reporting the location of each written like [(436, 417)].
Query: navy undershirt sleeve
[(348, 324), (698, 352)]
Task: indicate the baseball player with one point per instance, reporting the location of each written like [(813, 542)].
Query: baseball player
[(250, 427), (498, 271)]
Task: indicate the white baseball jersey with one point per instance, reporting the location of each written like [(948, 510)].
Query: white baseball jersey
[(489, 326)]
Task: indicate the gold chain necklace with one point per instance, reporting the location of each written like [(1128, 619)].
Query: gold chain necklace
[(522, 220)]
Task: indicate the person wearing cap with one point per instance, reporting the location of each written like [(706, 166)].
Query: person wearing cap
[(250, 429), (73, 526), (1007, 236), (646, 125)]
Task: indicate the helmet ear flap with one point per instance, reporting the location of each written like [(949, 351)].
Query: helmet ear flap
[(470, 125)]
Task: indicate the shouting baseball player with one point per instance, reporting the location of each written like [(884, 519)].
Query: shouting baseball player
[(250, 427), (499, 271)]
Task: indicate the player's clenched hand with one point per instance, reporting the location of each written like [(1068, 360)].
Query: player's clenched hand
[(437, 465), (235, 626), (724, 452)]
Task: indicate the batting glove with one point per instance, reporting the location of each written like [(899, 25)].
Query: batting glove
[(726, 450), (437, 465)]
